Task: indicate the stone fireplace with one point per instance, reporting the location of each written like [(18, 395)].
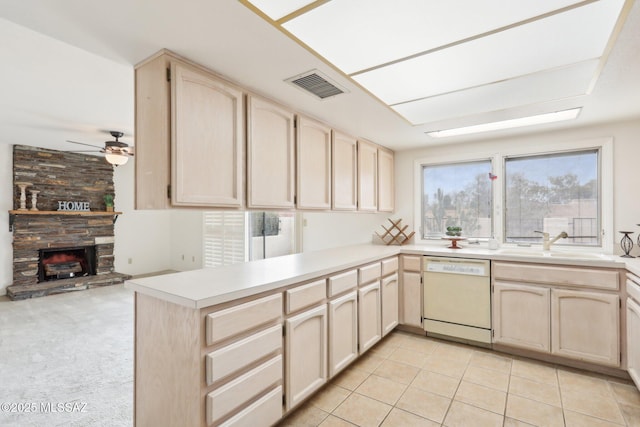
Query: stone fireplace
[(61, 251)]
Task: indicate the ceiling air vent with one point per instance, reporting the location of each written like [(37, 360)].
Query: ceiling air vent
[(317, 84)]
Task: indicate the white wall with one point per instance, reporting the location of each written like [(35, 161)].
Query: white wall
[(185, 240), (6, 204), (324, 230), (142, 237), (626, 153)]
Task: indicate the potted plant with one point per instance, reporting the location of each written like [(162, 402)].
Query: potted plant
[(108, 201), (454, 231)]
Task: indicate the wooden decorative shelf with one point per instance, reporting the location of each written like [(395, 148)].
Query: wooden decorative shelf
[(13, 213), (81, 213), (395, 234)]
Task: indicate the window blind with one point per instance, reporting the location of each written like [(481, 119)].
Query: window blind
[(224, 238)]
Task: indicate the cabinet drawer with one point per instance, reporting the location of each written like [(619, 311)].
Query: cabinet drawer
[(232, 358), (389, 266), (343, 282), (264, 411), (233, 395), (369, 273), (570, 276), (306, 295), (411, 262), (226, 323)]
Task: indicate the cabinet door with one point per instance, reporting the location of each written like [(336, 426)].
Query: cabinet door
[(314, 165), (386, 192), (411, 298), (585, 326), (153, 134), (367, 176), (306, 354), (369, 316), (521, 316), (345, 172), (270, 155), (343, 332), (207, 140), (633, 341), (389, 296)]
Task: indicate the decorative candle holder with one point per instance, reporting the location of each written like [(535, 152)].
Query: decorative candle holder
[(626, 244), (23, 195), (34, 200)]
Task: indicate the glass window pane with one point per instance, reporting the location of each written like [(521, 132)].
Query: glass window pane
[(457, 194), (553, 193), (272, 234)]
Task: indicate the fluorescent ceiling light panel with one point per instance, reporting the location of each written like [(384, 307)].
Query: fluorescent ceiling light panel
[(574, 36), (279, 8), (509, 124), (358, 34), (556, 84)]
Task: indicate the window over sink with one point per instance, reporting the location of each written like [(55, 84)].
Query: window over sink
[(510, 194), (457, 195), (553, 192)]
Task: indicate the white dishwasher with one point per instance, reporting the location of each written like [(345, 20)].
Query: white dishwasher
[(457, 298)]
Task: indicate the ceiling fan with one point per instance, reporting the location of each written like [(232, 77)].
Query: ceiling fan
[(115, 152)]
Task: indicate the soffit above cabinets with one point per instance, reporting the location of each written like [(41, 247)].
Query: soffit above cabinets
[(433, 61)]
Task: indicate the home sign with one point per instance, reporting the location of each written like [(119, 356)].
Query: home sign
[(64, 205)]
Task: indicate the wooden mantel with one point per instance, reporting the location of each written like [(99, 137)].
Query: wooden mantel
[(13, 213)]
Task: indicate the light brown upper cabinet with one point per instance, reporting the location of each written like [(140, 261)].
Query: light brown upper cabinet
[(367, 176), (345, 172), (152, 129), (270, 155), (386, 193), (207, 137), (314, 164), (191, 128), (189, 135)]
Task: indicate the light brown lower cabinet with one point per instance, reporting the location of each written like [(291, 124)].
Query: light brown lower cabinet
[(585, 326), (633, 340), (521, 316), (411, 290), (369, 316), (389, 300), (343, 332), (230, 365), (305, 354), (564, 311)]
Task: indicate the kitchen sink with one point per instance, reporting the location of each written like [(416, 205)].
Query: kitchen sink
[(553, 254)]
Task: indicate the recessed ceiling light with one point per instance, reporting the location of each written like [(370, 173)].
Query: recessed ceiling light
[(556, 116)]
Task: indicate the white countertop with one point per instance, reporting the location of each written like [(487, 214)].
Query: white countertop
[(210, 286)]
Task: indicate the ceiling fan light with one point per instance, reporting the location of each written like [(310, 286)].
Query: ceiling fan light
[(116, 159)]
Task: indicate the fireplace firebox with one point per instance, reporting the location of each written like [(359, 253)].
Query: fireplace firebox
[(65, 263)]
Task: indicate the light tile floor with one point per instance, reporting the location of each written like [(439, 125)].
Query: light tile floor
[(409, 380)]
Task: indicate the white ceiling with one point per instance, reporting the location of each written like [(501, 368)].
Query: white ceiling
[(73, 77)]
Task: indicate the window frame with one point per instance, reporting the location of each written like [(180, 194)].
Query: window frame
[(434, 164), (604, 145)]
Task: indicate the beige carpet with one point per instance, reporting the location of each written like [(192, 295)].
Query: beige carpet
[(67, 360)]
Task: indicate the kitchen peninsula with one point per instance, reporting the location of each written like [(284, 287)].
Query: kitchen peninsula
[(247, 342)]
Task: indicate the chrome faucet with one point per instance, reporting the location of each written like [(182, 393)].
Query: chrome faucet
[(546, 242)]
